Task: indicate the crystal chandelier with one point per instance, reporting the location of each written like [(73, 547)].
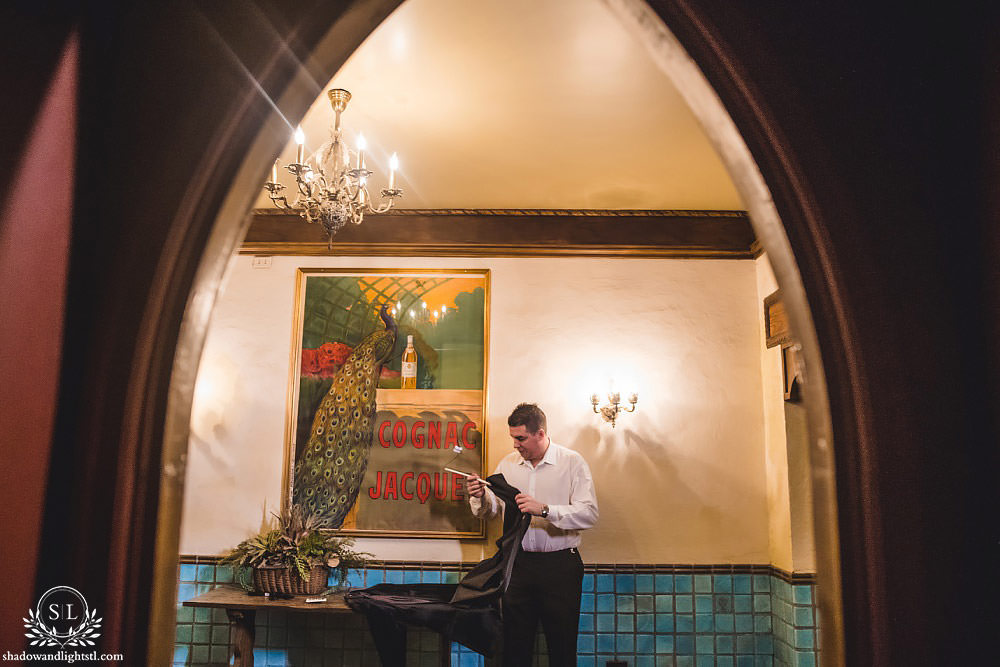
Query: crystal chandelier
[(333, 181)]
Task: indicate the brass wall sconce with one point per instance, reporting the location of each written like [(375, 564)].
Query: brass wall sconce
[(610, 411)]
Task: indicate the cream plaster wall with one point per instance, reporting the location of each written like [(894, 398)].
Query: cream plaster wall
[(786, 444), (800, 490), (776, 456), (682, 480)]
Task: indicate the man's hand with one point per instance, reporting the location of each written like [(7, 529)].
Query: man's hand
[(475, 486), (528, 505)]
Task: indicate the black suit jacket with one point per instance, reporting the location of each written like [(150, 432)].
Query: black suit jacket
[(468, 612)]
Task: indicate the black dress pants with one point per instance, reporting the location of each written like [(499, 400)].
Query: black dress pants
[(543, 587)]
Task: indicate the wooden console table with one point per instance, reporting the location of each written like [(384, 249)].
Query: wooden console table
[(241, 609)]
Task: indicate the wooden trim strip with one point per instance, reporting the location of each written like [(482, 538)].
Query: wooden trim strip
[(513, 233), (513, 212), (506, 250)]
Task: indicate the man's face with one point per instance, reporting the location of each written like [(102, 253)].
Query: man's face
[(531, 446)]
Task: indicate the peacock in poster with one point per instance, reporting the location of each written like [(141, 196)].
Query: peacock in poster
[(354, 330), (330, 469)]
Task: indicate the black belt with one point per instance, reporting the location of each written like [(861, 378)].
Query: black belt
[(571, 550)]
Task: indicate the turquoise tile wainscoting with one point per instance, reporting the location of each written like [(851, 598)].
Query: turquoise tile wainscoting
[(646, 615)]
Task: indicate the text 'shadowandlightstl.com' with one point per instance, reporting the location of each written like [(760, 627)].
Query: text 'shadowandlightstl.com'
[(62, 628)]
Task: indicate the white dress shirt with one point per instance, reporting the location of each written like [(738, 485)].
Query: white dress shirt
[(562, 480)]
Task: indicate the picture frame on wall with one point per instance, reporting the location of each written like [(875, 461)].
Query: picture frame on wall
[(776, 329), (362, 451)]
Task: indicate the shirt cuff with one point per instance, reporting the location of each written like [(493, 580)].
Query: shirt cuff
[(483, 507), (555, 513)]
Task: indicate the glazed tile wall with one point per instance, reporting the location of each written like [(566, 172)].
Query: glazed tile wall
[(795, 624), (656, 615)]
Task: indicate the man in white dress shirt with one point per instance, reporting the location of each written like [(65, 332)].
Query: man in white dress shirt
[(557, 489)]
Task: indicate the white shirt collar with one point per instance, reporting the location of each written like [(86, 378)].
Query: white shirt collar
[(549, 456)]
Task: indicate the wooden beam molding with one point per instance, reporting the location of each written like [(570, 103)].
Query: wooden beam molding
[(512, 233)]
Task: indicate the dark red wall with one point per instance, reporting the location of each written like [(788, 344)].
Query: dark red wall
[(35, 227)]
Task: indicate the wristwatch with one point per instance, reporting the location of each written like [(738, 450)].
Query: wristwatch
[(545, 511)]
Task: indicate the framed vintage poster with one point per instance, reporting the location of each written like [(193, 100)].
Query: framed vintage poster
[(370, 430)]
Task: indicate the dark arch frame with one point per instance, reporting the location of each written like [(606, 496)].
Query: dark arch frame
[(866, 227)]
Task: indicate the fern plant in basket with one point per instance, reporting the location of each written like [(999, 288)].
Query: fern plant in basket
[(292, 555)]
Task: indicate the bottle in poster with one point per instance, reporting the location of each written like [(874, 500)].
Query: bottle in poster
[(409, 366)]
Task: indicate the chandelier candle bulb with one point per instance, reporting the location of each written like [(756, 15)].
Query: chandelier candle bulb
[(274, 172), (300, 139), (362, 145), (393, 166)]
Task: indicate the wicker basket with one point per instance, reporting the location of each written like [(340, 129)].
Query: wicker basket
[(288, 581)]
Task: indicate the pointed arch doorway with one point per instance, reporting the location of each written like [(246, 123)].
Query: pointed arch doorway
[(297, 76)]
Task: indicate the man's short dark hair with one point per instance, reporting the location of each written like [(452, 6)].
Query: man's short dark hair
[(528, 415)]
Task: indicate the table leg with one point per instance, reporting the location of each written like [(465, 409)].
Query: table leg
[(445, 650), (242, 632)]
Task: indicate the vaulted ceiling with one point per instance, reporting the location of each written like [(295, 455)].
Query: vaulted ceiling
[(520, 104)]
